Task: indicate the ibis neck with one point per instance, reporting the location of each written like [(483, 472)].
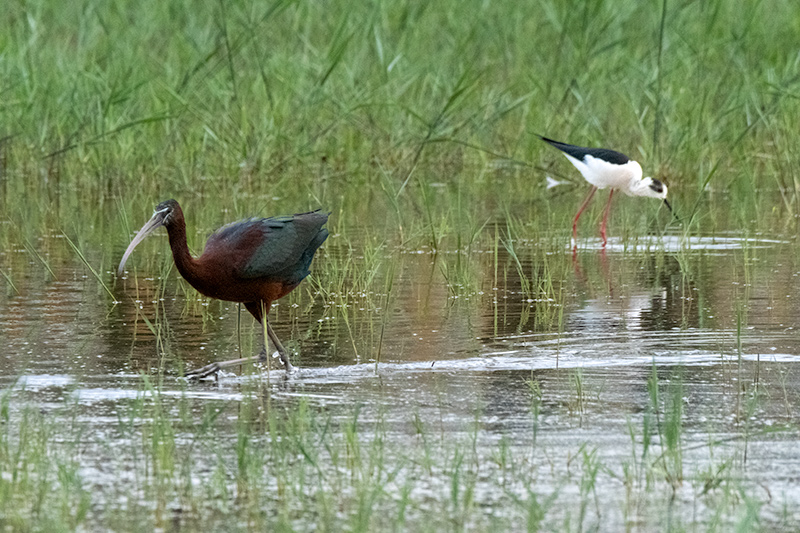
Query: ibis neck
[(187, 265)]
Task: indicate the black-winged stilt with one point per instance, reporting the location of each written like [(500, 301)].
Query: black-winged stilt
[(606, 168)]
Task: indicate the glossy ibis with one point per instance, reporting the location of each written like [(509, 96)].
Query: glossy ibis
[(603, 168), (253, 261)]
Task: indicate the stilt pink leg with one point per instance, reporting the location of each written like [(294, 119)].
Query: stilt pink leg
[(578, 215), (605, 218)]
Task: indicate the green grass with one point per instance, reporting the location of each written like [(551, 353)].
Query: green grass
[(256, 109), (309, 104)]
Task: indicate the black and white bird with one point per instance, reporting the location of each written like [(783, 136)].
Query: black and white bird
[(604, 168)]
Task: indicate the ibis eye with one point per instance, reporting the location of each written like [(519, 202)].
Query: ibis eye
[(166, 214), (657, 186)]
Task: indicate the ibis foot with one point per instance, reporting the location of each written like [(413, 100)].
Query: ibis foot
[(213, 368)]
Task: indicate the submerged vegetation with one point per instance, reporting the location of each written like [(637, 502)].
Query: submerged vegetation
[(242, 464), (415, 124)]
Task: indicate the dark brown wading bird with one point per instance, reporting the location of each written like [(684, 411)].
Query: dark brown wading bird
[(253, 261)]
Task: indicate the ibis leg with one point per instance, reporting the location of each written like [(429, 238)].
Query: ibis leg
[(605, 218), (578, 215), (259, 311), (278, 346), (213, 368)]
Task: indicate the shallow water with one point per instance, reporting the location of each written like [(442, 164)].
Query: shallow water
[(719, 315)]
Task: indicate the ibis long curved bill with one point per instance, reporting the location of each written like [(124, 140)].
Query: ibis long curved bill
[(156, 221)]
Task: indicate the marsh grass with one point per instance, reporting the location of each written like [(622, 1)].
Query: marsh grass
[(288, 107), (40, 480)]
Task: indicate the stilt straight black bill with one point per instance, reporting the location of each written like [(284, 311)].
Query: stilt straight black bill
[(674, 214)]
